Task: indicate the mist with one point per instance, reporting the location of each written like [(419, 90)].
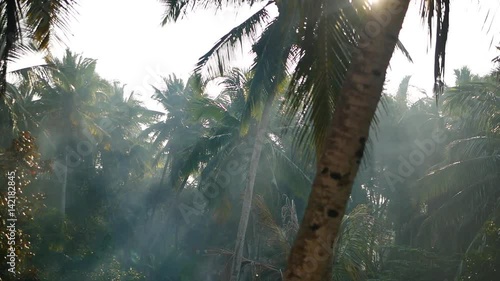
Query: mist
[(210, 176)]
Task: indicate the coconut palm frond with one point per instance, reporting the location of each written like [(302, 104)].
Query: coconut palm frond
[(218, 57), (177, 9), (438, 11)]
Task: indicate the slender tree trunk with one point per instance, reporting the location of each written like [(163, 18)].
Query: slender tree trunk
[(64, 186), (312, 253), (248, 195)]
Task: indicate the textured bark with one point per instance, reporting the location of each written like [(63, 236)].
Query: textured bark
[(312, 253), (248, 193)]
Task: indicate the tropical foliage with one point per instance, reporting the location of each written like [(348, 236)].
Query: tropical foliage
[(157, 194), (214, 187)]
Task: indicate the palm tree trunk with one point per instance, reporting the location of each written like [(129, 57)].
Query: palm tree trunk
[(312, 253), (248, 195), (64, 186)]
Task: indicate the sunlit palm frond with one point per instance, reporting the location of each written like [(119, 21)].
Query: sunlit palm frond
[(278, 235), (46, 18), (322, 57), (477, 146), (360, 238), (459, 192), (207, 108)]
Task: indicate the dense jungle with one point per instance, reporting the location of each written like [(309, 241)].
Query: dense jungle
[(302, 165)]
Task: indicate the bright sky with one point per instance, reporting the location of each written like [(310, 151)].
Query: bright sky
[(470, 43), (130, 45)]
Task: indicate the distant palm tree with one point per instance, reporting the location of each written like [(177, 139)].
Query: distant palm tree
[(223, 140), (123, 155), (176, 130), (462, 191), (66, 109), (15, 111)]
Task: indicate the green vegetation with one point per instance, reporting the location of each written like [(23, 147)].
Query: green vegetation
[(156, 196), (215, 187)]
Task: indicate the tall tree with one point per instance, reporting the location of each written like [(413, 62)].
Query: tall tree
[(461, 192), (311, 256), (275, 53), (177, 131), (30, 25), (327, 37), (69, 93)]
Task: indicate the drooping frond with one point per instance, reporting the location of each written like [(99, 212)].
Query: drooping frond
[(176, 9), (438, 10), (270, 66), (278, 234), (360, 236), (42, 22), (220, 54), (10, 27), (327, 36), (292, 169), (48, 17)]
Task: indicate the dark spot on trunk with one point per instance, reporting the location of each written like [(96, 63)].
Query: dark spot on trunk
[(376, 72), (335, 176), (314, 227), (358, 161), (332, 213), (362, 140), (359, 153), (325, 170), (366, 86)]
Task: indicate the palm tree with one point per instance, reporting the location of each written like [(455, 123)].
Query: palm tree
[(223, 118), (274, 51), (122, 154), (463, 187), (30, 25), (338, 164), (177, 131), (66, 111), (238, 86), (322, 60), (15, 112)]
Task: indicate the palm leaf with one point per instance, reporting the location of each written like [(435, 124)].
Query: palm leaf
[(220, 54)]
